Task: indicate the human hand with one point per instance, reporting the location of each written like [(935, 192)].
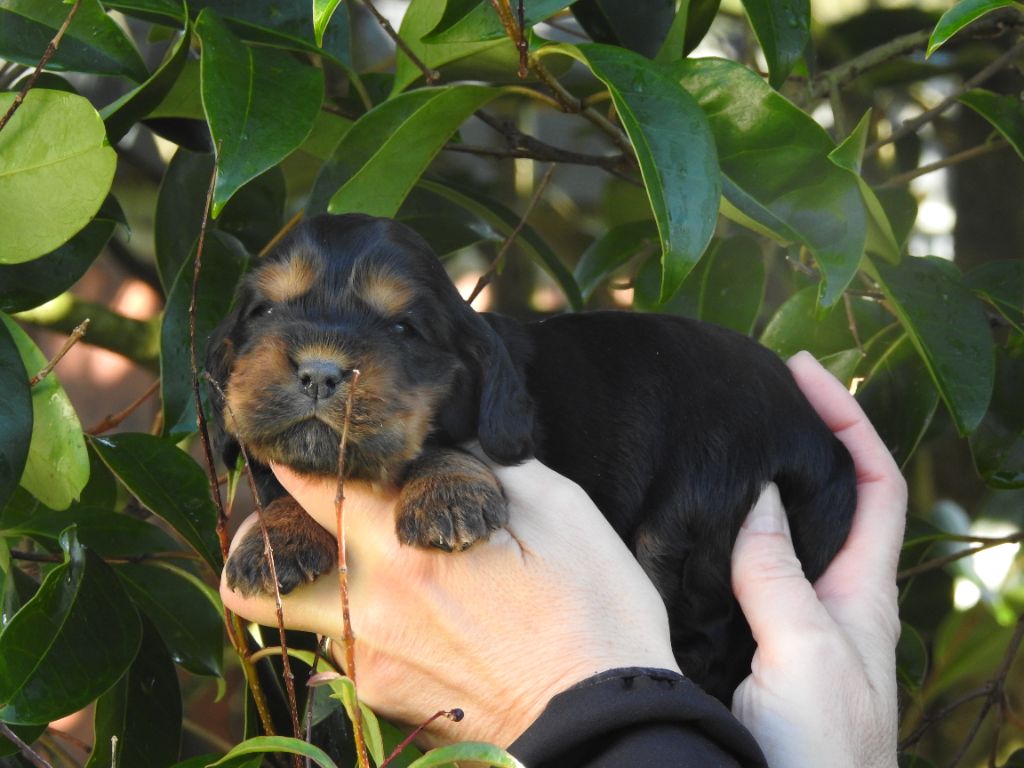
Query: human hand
[(496, 630), (823, 685)]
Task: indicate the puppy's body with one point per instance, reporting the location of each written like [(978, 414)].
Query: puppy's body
[(672, 426)]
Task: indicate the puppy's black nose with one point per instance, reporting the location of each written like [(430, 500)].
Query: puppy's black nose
[(320, 378)]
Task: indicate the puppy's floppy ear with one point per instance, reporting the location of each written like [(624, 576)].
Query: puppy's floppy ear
[(505, 419)]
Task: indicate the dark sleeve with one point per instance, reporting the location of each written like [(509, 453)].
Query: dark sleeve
[(636, 718)]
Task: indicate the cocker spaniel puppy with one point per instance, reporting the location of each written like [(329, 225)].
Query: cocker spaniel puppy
[(672, 426)]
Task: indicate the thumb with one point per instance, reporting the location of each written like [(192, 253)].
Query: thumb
[(767, 578)]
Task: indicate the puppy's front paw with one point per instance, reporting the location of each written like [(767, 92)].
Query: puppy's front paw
[(302, 551), (449, 500)]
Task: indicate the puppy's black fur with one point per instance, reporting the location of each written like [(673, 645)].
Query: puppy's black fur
[(672, 426)]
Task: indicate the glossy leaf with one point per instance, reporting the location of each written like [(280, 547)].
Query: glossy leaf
[(323, 10), (184, 612), (169, 483), (344, 690), (277, 744), (504, 220), (997, 445), (468, 751), (27, 285), (143, 710), (15, 415), (800, 325), (56, 168), (107, 533), (92, 43), (783, 28), (1001, 284), (733, 284), (675, 150), (446, 226), (639, 27), (482, 23), (224, 262), (122, 114), (260, 103), (399, 159), (57, 467), (420, 17), (777, 175), (948, 327), (962, 14), (899, 398), (157, 11), (55, 656), (612, 250), (911, 658), (1006, 113)]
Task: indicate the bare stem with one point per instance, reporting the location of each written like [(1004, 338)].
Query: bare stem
[(430, 75), (455, 715), (51, 49), (938, 562), (487, 277), (75, 336), (26, 751), (955, 159), (277, 238), (115, 419)]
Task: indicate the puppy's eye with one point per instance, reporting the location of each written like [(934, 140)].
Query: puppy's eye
[(261, 309), (403, 328)]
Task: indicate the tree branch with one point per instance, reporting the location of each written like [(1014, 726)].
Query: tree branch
[(938, 562), (430, 75)]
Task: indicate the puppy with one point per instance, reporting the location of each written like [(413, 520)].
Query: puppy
[(672, 426)]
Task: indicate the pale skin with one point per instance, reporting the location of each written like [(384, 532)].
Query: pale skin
[(556, 598)]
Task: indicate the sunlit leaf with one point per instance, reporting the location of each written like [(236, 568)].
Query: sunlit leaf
[(344, 690), (57, 467), (56, 167), (275, 744), (468, 751), (1006, 113), (962, 14), (323, 10)]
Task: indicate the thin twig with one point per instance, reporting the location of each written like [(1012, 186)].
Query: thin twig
[(430, 75), (455, 715), (996, 693), (26, 751), (51, 49), (938, 717), (115, 419), (850, 70), (938, 562), (73, 338), (348, 636), (955, 159), (912, 125), (488, 276), (277, 238)]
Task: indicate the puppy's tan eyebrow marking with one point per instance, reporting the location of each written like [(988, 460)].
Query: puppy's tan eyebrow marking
[(385, 292), (287, 279)]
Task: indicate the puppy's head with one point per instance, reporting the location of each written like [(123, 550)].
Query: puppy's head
[(353, 292)]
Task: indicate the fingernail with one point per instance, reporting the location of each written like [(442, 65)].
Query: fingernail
[(768, 515)]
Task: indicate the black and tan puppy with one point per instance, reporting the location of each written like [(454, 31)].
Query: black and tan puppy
[(672, 426)]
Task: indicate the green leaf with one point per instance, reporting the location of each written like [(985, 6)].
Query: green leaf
[(260, 103), (997, 445), (68, 644), (900, 398), (611, 251), (481, 22), (469, 751), (911, 658), (1006, 113), (157, 11), (58, 465), (800, 325), (123, 113), (224, 262), (143, 710), (27, 733), (948, 327), (446, 226), (15, 415), (344, 690), (188, 616), (400, 158), (322, 12), (962, 14), (92, 43), (733, 284), (169, 483), (1001, 284), (55, 170), (420, 17), (271, 744), (674, 147), (27, 285), (783, 28), (777, 175), (639, 27), (505, 221), (107, 533)]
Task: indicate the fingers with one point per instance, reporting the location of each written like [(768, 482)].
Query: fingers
[(769, 583)]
